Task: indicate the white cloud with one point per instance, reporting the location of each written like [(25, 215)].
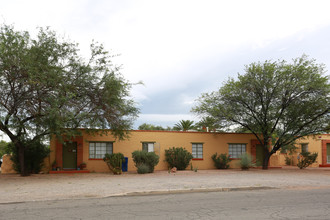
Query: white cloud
[(163, 119), (178, 47)]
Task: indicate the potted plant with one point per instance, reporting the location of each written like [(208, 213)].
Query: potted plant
[(54, 165), (82, 165)]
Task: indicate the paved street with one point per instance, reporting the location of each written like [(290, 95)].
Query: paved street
[(256, 204), (287, 193)]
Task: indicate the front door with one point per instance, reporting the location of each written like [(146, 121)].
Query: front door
[(70, 155), (260, 155)]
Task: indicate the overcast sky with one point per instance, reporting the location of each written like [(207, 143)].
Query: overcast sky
[(182, 48)]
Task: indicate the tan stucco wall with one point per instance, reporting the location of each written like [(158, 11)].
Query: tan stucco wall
[(7, 165), (212, 143), (314, 145)]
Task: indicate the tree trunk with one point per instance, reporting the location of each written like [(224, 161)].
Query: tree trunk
[(266, 160), (21, 159)]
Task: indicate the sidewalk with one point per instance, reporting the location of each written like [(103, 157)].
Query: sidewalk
[(14, 188)]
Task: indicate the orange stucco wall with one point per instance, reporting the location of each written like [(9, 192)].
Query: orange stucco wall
[(7, 165), (315, 144), (212, 143)]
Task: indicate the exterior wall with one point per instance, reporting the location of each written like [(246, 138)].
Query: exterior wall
[(7, 165), (316, 143), (212, 143)]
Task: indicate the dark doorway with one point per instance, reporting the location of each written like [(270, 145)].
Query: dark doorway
[(70, 155), (260, 155)]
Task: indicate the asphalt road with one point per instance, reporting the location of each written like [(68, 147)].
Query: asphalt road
[(262, 204)]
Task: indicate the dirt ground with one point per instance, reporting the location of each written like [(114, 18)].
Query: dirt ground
[(14, 188)]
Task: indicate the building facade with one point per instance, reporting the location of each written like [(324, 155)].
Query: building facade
[(90, 149)]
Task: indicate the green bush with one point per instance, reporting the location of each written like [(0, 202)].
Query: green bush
[(143, 168), (3, 148), (221, 161), (306, 159), (35, 153), (148, 158), (288, 161), (114, 162), (178, 157), (246, 161)]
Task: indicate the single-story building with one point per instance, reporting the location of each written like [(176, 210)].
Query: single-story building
[(90, 149)]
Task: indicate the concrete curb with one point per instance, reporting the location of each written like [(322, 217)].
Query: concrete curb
[(181, 191), (156, 192)]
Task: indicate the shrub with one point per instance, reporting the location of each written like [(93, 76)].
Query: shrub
[(221, 161), (246, 161), (178, 157), (305, 159), (143, 168), (288, 161), (34, 155), (148, 158), (114, 162)]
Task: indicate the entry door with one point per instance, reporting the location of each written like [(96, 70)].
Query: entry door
[(70, 155), (260, 154)]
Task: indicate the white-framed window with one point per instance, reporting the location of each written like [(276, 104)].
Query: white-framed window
[(197, 150), (97, 150), (236, 150), (148, 146), (304, 148)]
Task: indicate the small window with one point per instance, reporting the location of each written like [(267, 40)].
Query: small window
[(148, 146), (236, 150), (197, 151), (304, 148), (97, 150)]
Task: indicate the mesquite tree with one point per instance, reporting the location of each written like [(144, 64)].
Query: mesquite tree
[(278, 102), (47, 88)]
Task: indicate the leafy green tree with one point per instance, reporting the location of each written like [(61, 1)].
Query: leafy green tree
[(208, 123), (184, 125), (47, 88), (278, 102), (151, 127), (3, 147), (34, 156)]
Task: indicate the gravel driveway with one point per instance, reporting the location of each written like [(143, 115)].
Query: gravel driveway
[(14, 188)]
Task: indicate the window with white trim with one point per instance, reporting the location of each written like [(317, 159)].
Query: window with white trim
[(236, 150), (197, 150), (148, 146), (97, 150), (304, 148)]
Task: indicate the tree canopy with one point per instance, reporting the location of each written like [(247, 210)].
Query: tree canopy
[(47, 88), (151, 127), (184, 125), (276, 101)]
